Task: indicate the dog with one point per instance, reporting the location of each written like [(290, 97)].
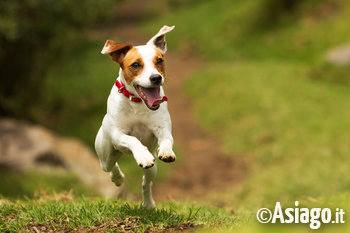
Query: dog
[(137, 118)]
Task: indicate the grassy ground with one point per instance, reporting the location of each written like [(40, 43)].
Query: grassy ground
[(64, 212)]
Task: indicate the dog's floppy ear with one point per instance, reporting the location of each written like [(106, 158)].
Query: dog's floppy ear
[(158, 40), (115, 50)]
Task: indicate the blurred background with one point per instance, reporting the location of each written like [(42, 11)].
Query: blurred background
[(259, 95)]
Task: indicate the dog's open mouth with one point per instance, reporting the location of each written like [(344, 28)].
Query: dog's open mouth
[(150, 96)]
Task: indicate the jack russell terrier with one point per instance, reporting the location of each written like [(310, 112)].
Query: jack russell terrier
[(137, 118)]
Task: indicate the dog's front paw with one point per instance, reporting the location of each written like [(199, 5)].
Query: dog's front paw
[(145, 159), (147, 165), (167, 155)]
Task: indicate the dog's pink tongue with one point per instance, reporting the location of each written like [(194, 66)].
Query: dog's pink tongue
[(153, 96)]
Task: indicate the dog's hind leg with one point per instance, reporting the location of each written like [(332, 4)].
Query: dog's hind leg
[(107, 155), (117, 176), (148, 177)]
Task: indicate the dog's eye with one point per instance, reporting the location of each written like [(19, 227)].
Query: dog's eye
[(136, 65), (159, 61)]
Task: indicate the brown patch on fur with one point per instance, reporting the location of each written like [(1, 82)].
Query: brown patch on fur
[(129, 72), (115, 50), (159, 67)]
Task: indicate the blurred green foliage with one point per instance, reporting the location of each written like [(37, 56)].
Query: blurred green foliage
[(21, 185), (33, 35), (331, 73), (257, 29), (290, 127), (287, 108)]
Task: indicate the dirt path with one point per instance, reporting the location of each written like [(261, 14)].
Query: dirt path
[(203, 169)]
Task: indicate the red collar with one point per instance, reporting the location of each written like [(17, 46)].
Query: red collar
[(122, 89)]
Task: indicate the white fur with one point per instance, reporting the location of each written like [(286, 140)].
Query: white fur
[(147, 52), (132, 127)]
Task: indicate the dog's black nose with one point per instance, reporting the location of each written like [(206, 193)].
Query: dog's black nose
[(156, 79)]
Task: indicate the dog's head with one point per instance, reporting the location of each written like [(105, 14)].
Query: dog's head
[(142, 67)]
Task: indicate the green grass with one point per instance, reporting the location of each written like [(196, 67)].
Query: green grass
[(91, 213)]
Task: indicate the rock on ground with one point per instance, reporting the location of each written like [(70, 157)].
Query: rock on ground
[(24, 146), (340, 55)]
